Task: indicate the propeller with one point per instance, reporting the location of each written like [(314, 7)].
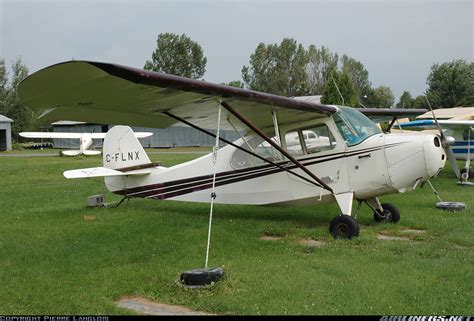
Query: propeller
[(446, 142)]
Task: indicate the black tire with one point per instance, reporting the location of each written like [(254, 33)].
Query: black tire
[(201, 277), (463, 171), (344, 227), (390, 214), (451, 206)]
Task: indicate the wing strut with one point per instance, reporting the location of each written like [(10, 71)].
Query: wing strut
[(239, 147), (391, 124), (275, 145)]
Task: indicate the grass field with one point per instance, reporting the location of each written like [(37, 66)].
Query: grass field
[(59, 257)]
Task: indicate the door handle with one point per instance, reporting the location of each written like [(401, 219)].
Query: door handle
[(365, 156)]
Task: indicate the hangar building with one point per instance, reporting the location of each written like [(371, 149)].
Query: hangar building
[(173, 136), (5, 133)]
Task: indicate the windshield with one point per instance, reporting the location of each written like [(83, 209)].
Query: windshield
[(354, 126)]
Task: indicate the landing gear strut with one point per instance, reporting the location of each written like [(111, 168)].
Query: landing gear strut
[(383, 212), (389, 214)]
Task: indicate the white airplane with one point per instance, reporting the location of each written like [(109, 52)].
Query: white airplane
[(314, 142), (360, 162), (85, 140), (463, 145)]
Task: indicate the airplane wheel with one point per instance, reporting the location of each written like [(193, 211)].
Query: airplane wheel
[(390, 214), (465, 173), (344, 227)]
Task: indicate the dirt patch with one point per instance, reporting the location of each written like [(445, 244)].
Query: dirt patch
[(88, 218), (145, 306), (270, 238), (311, 243), (392, 238), (413, 231)]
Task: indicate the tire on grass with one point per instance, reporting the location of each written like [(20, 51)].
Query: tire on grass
[(344, 227)]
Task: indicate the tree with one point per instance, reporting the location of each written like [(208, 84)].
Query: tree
[(177, 55), (288, 69), (357, 74), (332, 93), (406, 101), (380, 97), (420, 102), (451, 84), (320, 64), (3, 86), (235, 83), (277, 69), (12, 107)]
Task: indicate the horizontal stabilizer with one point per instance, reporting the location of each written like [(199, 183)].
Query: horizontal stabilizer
[(102, 172), (91, 152), (72, 152)]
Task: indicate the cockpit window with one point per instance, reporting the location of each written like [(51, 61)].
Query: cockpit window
[(354, 126), (256, 144)]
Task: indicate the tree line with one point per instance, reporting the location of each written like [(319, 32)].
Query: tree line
[(286, 68), (289, 69)]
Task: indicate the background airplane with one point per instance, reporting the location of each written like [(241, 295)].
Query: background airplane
[(85, 140), (463, 145)]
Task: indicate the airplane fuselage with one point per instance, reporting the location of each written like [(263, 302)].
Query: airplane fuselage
[(380, 164)]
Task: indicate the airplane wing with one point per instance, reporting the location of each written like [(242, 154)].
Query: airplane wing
[(143, 134), (74, 135), (381, 115), (137, 134), (50, 135), (115, 94), (430, 123)]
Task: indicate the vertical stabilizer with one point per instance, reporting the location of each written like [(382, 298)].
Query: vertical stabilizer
[(122, 149)]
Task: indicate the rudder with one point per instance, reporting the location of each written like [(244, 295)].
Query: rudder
[(122, 149)]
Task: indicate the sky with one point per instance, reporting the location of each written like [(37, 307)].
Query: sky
[(397, 40)]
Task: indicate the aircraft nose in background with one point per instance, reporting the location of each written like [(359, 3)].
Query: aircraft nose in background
[(435, 156)]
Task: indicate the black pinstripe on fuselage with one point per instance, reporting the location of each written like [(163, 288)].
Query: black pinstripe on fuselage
[(179, 187)]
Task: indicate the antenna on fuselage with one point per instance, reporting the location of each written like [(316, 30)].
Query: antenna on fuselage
[(338, 91)]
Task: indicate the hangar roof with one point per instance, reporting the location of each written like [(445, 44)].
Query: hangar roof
[(4, 119)]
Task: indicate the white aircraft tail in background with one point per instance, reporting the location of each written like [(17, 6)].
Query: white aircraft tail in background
[(122, 155), (85, 140)]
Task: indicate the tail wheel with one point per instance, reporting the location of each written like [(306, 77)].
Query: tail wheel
[(466, 174), (344, 227), (390, 214)]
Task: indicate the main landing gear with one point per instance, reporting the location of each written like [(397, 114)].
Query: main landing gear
[(389, 213), (346, 227)]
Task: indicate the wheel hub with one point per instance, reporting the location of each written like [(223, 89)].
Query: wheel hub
[(342, 228)]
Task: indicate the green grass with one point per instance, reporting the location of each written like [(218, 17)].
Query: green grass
[(59, 257)]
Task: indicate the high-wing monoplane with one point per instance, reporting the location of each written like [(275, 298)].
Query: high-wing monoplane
[(85, 140), (354, 161)]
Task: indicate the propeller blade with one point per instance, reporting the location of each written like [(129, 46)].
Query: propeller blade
[(446, 146), (452, 160)]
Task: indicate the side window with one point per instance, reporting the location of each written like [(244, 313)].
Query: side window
[(293, 143), (318, 138), (466, 135), (241, 159)]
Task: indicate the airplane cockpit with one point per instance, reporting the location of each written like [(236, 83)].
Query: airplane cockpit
[(354, 126)]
